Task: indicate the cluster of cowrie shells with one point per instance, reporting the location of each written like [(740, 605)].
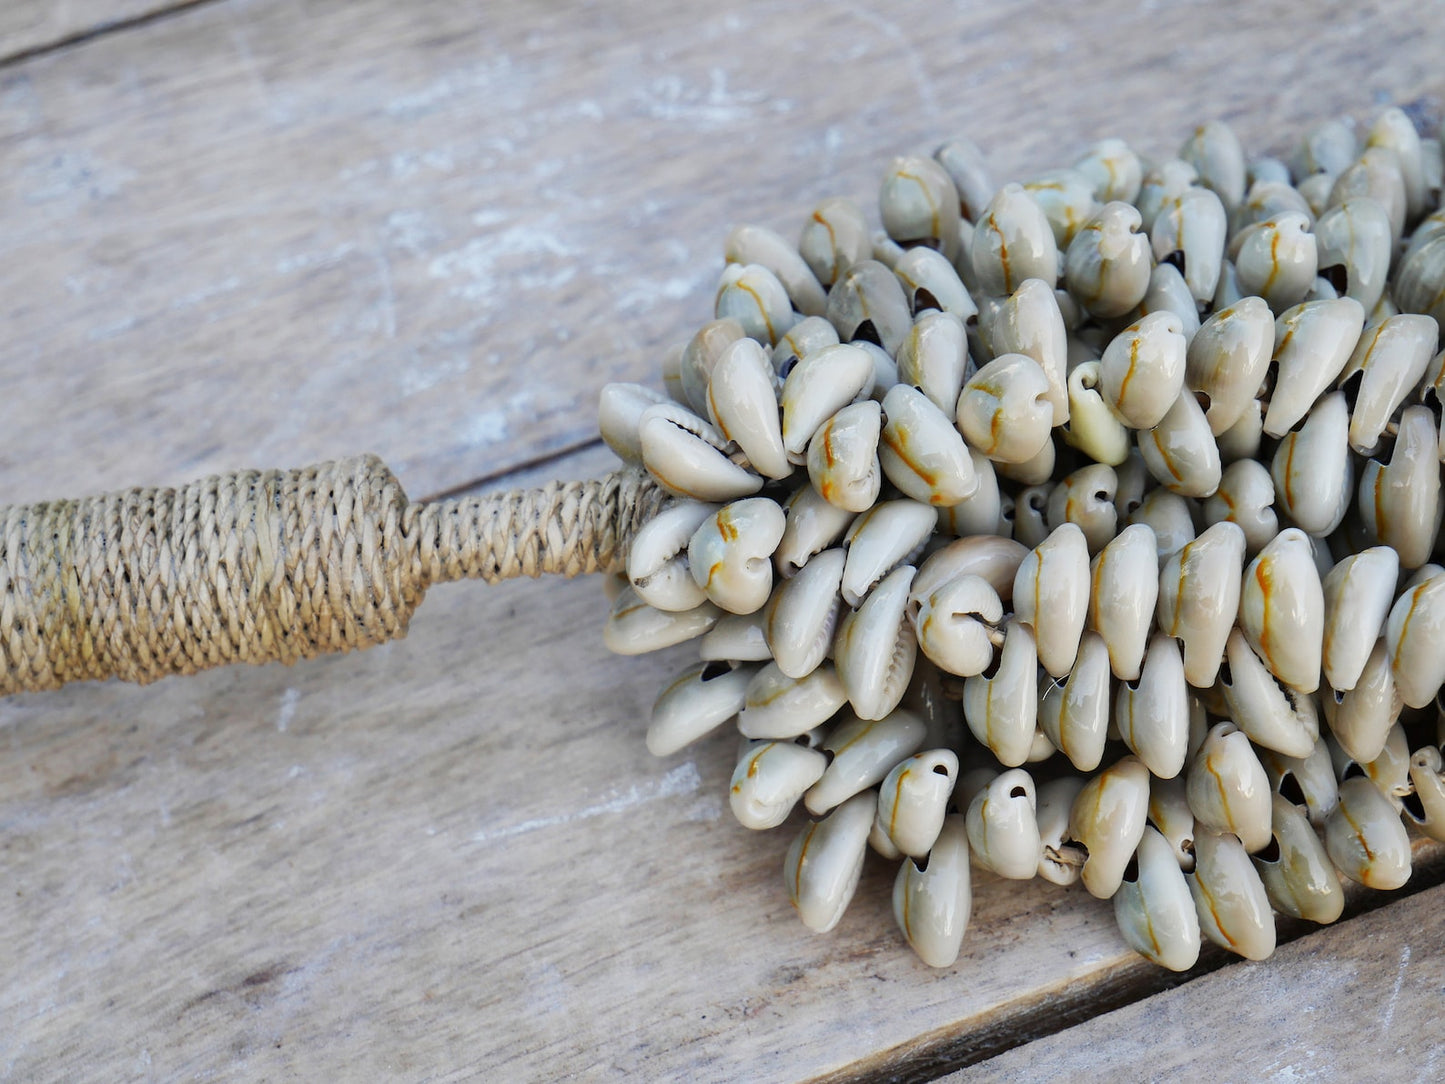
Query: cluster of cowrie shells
[(1080, 528)]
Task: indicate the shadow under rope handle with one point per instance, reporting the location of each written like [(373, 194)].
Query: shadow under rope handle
[(262, 566)]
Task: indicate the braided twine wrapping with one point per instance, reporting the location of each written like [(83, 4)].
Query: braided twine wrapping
[(257, 566)]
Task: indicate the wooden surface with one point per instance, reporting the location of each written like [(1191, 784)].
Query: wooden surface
[(30, 27), (257, 233)]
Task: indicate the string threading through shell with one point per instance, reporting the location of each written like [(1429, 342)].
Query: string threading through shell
[(1084, 528)]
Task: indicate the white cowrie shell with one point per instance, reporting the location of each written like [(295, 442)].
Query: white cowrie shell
[(1312, 342), (1180, 451), (1329, 147), (699, 356), (1312, 472), (1142, 370), (885, 369), (965, 165), (1427, 809), (1152, 713), (743, 403), (887, 535), (1168, 516), (1093, 428), (1199, 591), (1085, 498), (1161, 184), (1282, 609), (1375, 174), (1001, 708), (1060, 860), (1355, 246), (834, 238), (1030, 322), (1004, 410), (932, 905), (1169, 812), (921, 452), (1168, 292), (752, 295), (619, 412), (1214, 150), (1267, 197), (1113, 168), (1229, 896), (1425, 231), (1190, 230), (1358, 594), (1066, 196), (696, 702), (730, 554), (933, 358), (930, 282), (1365, 837), (671, 382), (820, 385), (864, 752), (1051, 596), (1308, 781), (812, 526), (1245, 497), (1391, 358), (955, 624), (1030, 518), (1414, 633), (843, 457), (1277, 259), (1154, 909), (760, 245), (822, 867), (1228, 291), (919, 205), (769, 780), (1013, 241), (875, 648), (913, 799), (1108, 262), (1363, 718), (1227, 788), (1390, 771), (1033, 471), (685, 455), (994, 559), (1395, 131), (657, 559), (1108, 819), (1296, 873), (982, 513), (1400, 501), (868, 295), (1003, 834), (735, 638), (1242, 440), (1316, 189), (1124, 588), (778, 706), (802, 616), (807, 336), (635, 628), (1420, 282), (1074, 714), (1274, 716)]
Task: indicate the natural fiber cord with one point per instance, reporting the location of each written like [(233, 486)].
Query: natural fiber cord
[(257, 566)]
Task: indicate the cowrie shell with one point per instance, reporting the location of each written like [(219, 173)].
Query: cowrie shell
[(843, 457), (1180, 451), (993, 558), (954, 624), (1312, 342), (701, 353), (1169, 812), (752, 295), (1245, 497), (1124, 589), (1269, 196), (696, 702), (1312, 472), (1003, 834), (1400, 501), (867, 302), (1154, 909), (1328, 148), (730, 554), (1074, 713), (1060, 861), (1001, 707), (1365, 838), (1051, 596), (1395, 131), (1414, 633), (864, 752), (1428, 808), (930, 282), (657, 559), (777, 706), (1093, 428), (1085, 498), (1030, 519), (764, 247), (1227, 788), (1160, 184), (685, 456), (1390, 771), (1190, 230), (1242, 440), (932, 905), (913, 800), (1308, 781), (1066, 196), (635, 628), (1358, 592), (1168, 292), (875, 648), (807, 336), (934, 357), (812, 525), (1013, 241), (619, 412), (1214, 150), (1355, 246), (1362, 718), (1168, 515), (1272, 715), (1152, 713), (822, 867), (1199, 592), (1030, 322), (1004, 410), (1114, 169), (1276, 259), (1376, 174), (966, 167), (802, 616), (820, 385), (1108, 819), (834, 238), (1036, 470), (1296, 873), (770, 778), (921, 452), (1282, 609), (742, 402), (1390, 358), (735, 638), (1142, 370), (1229, 896), (879, 540), (919, 205), (982, 513), (1108, 262), (671, 379)]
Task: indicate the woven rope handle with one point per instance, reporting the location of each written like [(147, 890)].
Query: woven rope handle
[(261, 566)]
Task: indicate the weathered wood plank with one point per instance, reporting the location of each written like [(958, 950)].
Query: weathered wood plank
[(30, 26), (1359, 1001), (257, 233)]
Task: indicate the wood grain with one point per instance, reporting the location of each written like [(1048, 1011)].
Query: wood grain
[(28, 27)]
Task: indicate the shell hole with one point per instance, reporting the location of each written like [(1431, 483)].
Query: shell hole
[(1133, 686), (1351, 387), (1337, 275), (1038, 501), (940, 769), (1291, 791), (1354, 771), (991, 670), (921, 864), (1339, 696), (866, 332), (1102, 496), (1202, 398), (1270, 852), (1186, 846), (788, 366), (1131, 871), (804, 740), (924, 299), (1078, 846), (1018, 792), (1226, 676), (715, 670), (1413, 806), (1175, 259), (1132, 505)]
